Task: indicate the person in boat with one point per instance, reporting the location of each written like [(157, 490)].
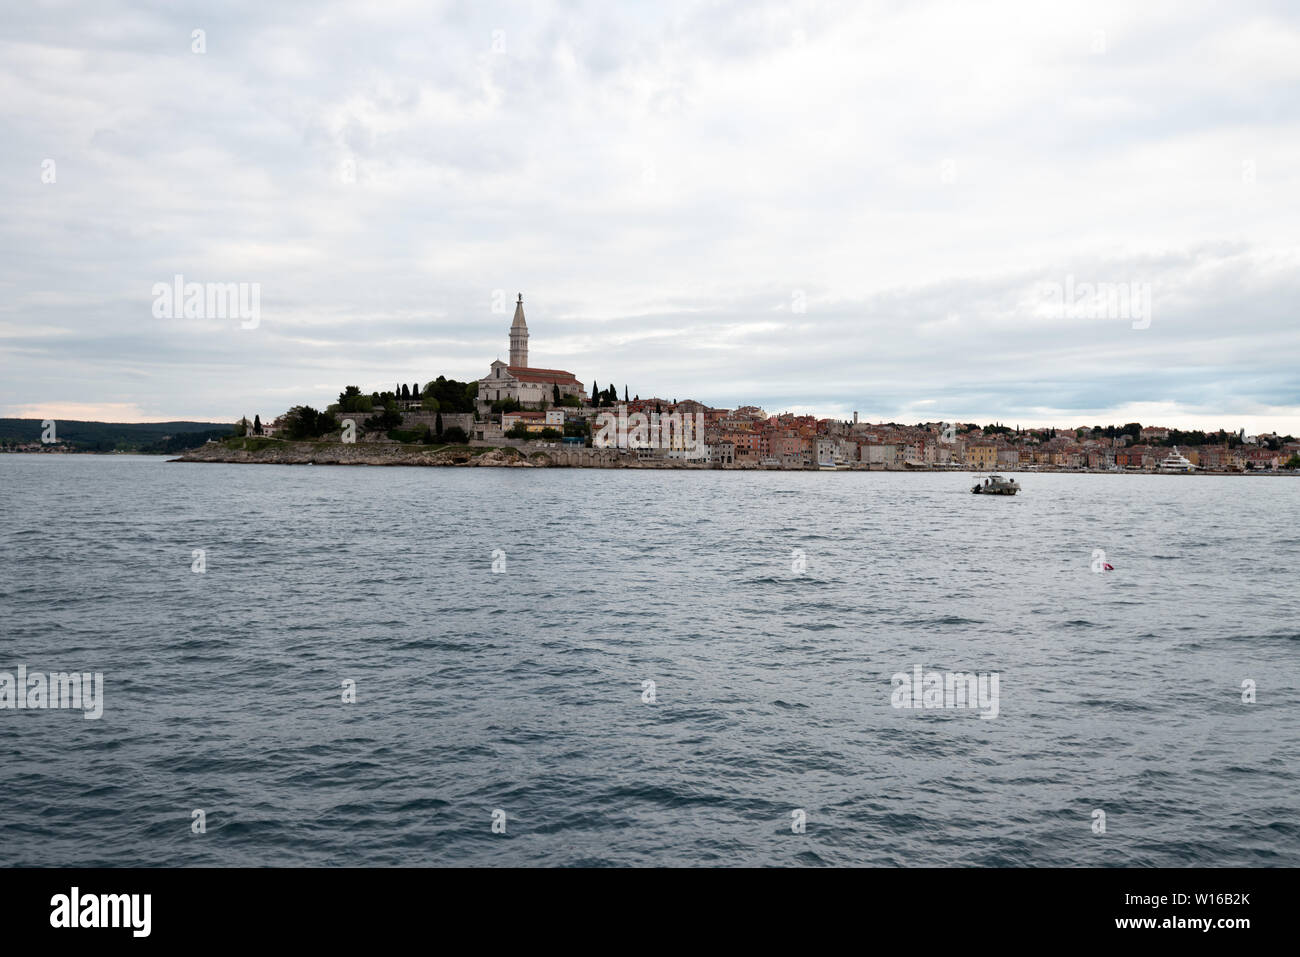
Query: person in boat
[(986, 481)]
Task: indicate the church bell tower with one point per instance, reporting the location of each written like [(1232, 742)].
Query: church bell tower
[(519, 336)]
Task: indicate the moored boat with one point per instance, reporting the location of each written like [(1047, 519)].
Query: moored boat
[(1176, 462)]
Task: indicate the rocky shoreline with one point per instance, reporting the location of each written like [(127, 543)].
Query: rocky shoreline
[(375, 453), (337, 453)]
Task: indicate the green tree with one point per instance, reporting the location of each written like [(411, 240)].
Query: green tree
[(452, 396), (437, 425), (257, 424), (383, 421), (304, 422), (349, 398)]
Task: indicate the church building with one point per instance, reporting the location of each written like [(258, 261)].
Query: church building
[(517, 380)]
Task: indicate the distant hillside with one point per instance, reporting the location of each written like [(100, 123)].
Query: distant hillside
[(158, 437)]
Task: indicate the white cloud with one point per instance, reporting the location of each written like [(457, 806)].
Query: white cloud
[(659, 181)]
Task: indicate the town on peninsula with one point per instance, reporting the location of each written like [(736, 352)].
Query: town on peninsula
[(519, 415)]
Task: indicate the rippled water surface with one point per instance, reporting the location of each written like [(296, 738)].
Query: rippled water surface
[(522, 691)]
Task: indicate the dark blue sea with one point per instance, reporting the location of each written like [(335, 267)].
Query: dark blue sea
[(770, 610)]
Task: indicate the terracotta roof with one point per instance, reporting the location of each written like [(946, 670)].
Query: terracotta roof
[(529, 374)]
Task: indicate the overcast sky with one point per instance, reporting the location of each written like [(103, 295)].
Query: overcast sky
[(809, 207)]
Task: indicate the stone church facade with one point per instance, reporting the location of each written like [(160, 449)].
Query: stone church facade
[(529, 386)]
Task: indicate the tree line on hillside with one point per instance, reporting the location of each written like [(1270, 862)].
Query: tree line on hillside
[(145, 437), (382, 412), (1132, 431), (440, 395)]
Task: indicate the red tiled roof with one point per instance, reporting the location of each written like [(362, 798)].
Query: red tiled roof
[(528, 374)]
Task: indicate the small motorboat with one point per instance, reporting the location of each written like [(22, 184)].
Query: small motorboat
[(996, 485)]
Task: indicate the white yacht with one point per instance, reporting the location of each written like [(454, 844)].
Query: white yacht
[(1176, 462)]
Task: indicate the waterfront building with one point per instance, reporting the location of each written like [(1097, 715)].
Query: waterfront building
[(1101, 459), (534, 421), (883, 455), (847, 450), (745, 446), (982, 458)]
